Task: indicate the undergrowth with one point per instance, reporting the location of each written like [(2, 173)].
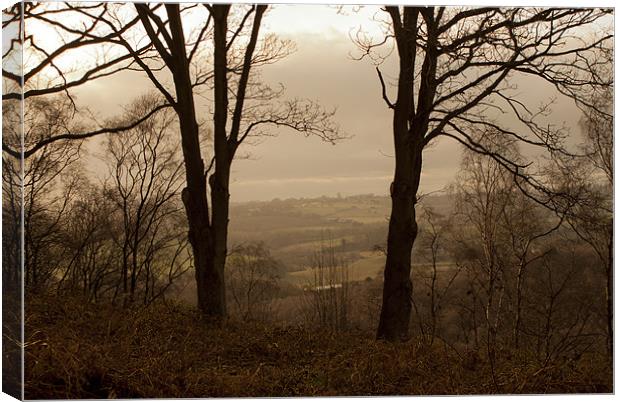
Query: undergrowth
[(76, 349)]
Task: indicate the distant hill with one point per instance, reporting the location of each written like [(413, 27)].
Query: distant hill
[(362, 208), (294, 229)]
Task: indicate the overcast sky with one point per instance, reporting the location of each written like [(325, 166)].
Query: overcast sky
[(322, 69)]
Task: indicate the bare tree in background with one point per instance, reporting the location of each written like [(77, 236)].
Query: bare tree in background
[(434, 238), (484, 192), (253, 276), (146, 180), (12, 191), (90, 264), (590, 180), (453, 79), (526, 225), (502, 232), (598, 130), (50, 182), (327, 294), (559, 313)]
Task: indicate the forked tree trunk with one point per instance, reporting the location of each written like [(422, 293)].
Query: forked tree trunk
[(408, 126), (209, 286), (224, 145)]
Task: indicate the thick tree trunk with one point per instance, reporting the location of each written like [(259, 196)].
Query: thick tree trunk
[(409, 125), (397, 287), (403, 230), (194, 197), (225, 144), (207, 234), (220, 196), (209, 275), (200, 241), (195, 193), (219, 180)]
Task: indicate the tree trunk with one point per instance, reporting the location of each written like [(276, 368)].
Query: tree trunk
[(517, 324), (609, 293), (197, 209), (220, 196), (194, 195), (409, 125), (209, 287), (219, 180), (225, 145), (403, 230)]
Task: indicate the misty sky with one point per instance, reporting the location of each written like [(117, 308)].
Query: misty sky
[(322, 69)]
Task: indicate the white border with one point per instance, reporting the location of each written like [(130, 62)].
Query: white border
[(539, 3)]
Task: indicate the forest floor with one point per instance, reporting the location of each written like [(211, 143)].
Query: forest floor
[(76, 349)]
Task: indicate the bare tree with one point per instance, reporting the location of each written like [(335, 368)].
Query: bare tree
[(253, 276), (50, 182), (560, 318), (503, 230), (453, 74), (484, 191), (90, 264), (590, 180), (327, 294), (598, 129), (434, 236), (146, 175), (586, 183), (208, 221), (12, 192), (526, 226)]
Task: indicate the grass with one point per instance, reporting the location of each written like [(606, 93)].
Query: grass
[(366, 267), (311, 246), (369, 266), (77, 349)]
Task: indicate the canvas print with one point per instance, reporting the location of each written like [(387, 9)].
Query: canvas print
[(253, 200)]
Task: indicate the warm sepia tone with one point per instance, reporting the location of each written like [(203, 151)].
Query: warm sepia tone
[(297, 200)]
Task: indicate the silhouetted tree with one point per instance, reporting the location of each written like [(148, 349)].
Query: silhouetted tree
[(453, 77), (233, 62)]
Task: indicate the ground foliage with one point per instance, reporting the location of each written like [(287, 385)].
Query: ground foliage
[(77, 349)]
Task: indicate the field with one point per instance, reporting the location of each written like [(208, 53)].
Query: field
[(369, 266), (295, 229)]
